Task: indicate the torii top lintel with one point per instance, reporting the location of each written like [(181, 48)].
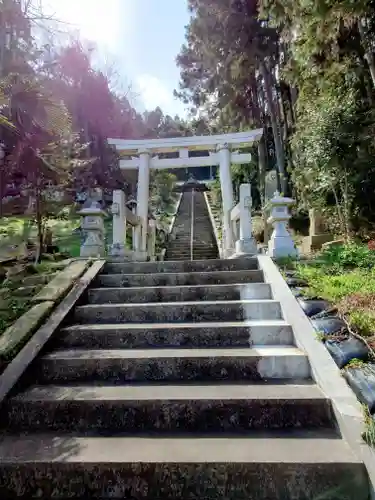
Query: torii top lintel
[(199, 143)]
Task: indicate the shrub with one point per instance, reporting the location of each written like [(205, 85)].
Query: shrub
[(349, 256)]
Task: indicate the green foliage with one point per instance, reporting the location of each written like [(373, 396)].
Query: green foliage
[(369, 434), (354, 363), (352, 255), (333, 147), (346, 277), (15, 309), (230, 77), (162, 194), (334, 287), (329, 61)]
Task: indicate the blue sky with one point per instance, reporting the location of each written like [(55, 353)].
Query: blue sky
[(141, 38)]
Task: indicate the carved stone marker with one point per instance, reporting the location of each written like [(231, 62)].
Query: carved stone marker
[(317, 233)]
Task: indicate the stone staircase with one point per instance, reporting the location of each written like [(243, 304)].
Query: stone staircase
[(175, 380), (204, 244)]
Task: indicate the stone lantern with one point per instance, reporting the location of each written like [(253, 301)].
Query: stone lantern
[(281, 243), (93, 230)]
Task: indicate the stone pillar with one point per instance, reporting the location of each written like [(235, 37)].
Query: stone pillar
[(151, 241), (246, 244), (134, 230), (119, 224), (132, 206), (270, 188), (92, 225), (281, 243), (227, 196), (142, 200)]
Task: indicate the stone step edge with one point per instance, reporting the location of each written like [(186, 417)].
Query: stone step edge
[(184, 273), (184, 287), (216, 261), (277, 351), (272, 447), (184, 304), (171, 326), (248, 393)]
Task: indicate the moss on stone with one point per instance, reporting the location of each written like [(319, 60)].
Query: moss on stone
[(62, 283), (19, 333)]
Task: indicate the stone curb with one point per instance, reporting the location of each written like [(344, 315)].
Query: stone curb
[(214, 228), (20, 331), (27, 354), (348, 410), (16, 335), (59, 286)]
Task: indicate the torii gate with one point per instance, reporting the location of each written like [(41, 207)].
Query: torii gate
[(223, 151)]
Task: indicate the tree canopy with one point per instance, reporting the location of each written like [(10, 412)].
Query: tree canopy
[(304, 71)]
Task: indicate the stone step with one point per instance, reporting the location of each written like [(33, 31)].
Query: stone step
[(122, 365), (291, 465), (180, 267), (197, 242), (178, 312), (185, 247), (186, 251), (176, 258), (138, 409), (181, 245), (197, 253), (139, 295), (142, 336)]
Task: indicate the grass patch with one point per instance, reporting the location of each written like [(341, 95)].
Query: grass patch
[(64, 237), (354, 363), (352, 292), (335, 287), (11, 306), (369, 434), (350, 256), (15, 309), (345, 276)]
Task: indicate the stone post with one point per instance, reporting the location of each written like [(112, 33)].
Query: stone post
[(227, 196), (142, 200), (317, 233), (269, 189), (281, 243), (246, 244), (151, 240), (119, 224), (93, 230)]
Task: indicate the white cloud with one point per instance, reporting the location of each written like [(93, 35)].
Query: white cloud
[(154, 92)]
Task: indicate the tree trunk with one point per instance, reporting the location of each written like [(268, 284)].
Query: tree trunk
[(368, 54), (280, 158), (262, 145), (262, 152)]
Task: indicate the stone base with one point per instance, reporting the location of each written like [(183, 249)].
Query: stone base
[(88, 251), (333, 243), (118, 250), (246, 247), (280, 247), (126, 255), (315, 242), (140, 256)]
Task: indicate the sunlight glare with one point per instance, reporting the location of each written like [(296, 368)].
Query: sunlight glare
[(97, 20)]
